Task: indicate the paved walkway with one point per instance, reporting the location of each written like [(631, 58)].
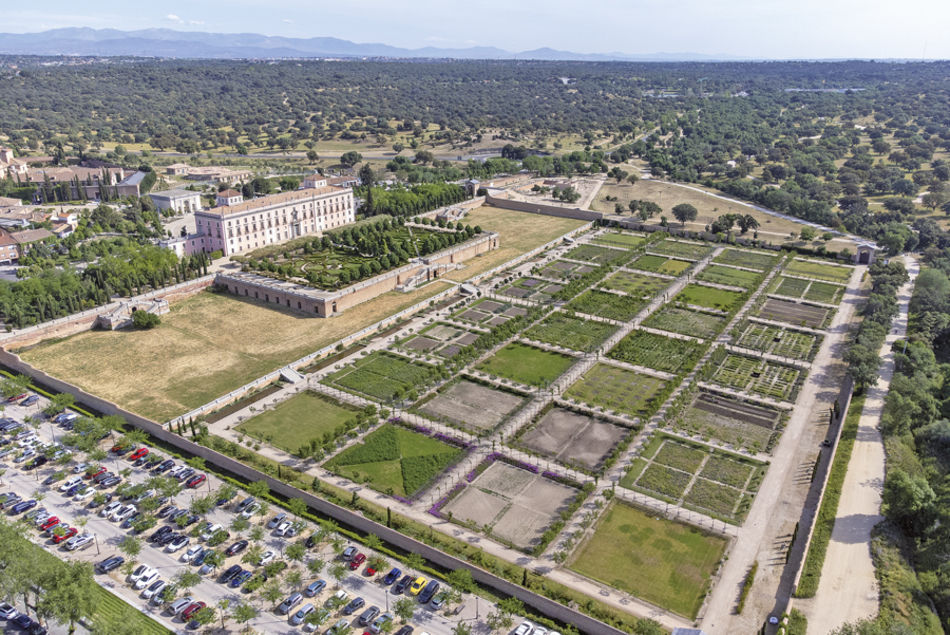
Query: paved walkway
[(848, 590)]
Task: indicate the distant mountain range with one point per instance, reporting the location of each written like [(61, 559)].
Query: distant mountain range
[(194, 44)]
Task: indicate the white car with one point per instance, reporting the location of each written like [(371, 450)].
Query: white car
[(77, 543), (524, 628), (266, 558), (139, 572), (210, 531), (191, 554), (145, 580), (7, 611), (123, 513), (27, 453), (85, 495), (250, 510), (539, 630), (282, 528), (109, 509), (154, 589), (177, 544), (81, 468), (68, 483)]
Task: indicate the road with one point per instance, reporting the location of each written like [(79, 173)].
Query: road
[(848, 590)]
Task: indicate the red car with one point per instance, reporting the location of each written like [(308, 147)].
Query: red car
[(95, 473), (357, 560), (66, 535), (138, 454), (369, 571), (49, 522), (192, 608), (195, 481), (119, 449), (16, 397)]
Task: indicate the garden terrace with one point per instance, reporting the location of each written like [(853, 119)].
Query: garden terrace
[(819, 270), (563, 270), (533, 289), (681, 249), (637, 285), (697, 476), (666, 563), (619, 239), (394, 460), (686, 321), (470, 405), (660, 264), (444, 340), (802, 289), (489, 313), (569, 331), (656, 351), (612, 306), (754, 375), (526, 365), (575, 439), (342, 257), (384, 377), (751, 259), (302, 424), (730, 276), (731, 421), (795, 313), (710, 298), (777, 340), (597, 255), (620, 390)]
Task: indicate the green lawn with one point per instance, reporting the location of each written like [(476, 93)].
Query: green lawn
[(659, 264), (298, 420), (666, 563), (692, 251), (619, 239), (821, 271), (382, 376), (607, 305), (751, 259), (571, 332), (656, 351), (636, 284), (526, 364), (710, 297), (394, 460), (730, 276), (619, 389), (596, 254)]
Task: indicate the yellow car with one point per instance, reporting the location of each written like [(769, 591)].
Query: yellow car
[(417, 585)]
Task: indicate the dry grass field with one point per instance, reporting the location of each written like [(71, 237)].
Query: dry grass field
[(205, 347), (518, 232), (666, 195)]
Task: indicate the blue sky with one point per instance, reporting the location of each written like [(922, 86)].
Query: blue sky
[(740, 28)]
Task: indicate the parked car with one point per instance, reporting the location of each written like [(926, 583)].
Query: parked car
[(16, 398), (240, 578), (267, 558), (236, 548), (195, 481), (164, 512), (145, 580), (155, 588), (349, 552), (298, 617), (80, 542), (417, 585), (110, 564), (276, 520), (293, 600), (138, 454), (337, 598), (367, 616), (210, 531), (403, 584), (180, 605), (22, 621), (426, 595), (29, 401), (314, 588), (49, 522), (525, 628), (65, 535), (357, 560), (7, 611), (177, 544), (191, 609), (191, 553), (250, 510), (23, 506), (392, 576), (282, 528), (354, 605), (229, 573), (92, 473)]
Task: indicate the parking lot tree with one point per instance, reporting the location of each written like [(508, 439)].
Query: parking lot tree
[(462, 629), (252, 554), (99, 499), (58, 403), (223, 605), (257, 533), (377, 562), (15, 385), (499, 620), (240, 523), (293, 578), (182, 521), (404, 608), (337, 542), (296, 552), (242, 613), (205, 616), (98, 454), (262, 509), (165, 485), (69, 594), (186, 579), (131, 546), (272, 592), (133, 437), (169, 593), (202, 505), (315, 565), (215, 559), (226, 492), (338, 572), (144, 523)]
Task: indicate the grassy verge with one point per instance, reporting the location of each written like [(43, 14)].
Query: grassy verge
[(825, 521)]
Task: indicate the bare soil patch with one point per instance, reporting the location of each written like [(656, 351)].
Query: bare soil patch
[(473, 405)]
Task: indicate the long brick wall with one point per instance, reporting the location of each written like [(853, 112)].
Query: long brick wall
[(541, 208)]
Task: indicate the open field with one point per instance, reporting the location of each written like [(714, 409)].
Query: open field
[(752, 259), (512, 503), (526, 364), (778, 341), (571, 332), (819, 270), (659, 264), (718, 274), (681, 249), (730, 421), (572, 438), (758, 376), (807, 290), (696, 475), (293, 423), (619, 389), (794, 313), (656, 351), (635, 284), (471, 405), (206, 346), (709, 297), (518, 232), (607, 305), (615, 238), (382, 376), (597, 255), (686, 322), (394, 460), (772, 229), (658, 560)]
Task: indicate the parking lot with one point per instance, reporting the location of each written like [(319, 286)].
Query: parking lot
[(84, 507)]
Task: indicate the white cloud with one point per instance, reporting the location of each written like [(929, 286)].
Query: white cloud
[(174, 18), (287, 21)]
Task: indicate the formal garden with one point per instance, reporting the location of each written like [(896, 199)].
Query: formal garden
[(526, 364), (755, 375), (661, 264), (385, 377), (681, 249), (570, 331), (643, 348), (615, 389), (760, 261)]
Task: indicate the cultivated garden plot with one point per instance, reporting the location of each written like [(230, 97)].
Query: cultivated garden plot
[(597, 254), (470, 405), (730, 276), (383, 376), (635, 284), (795, 313), (612, 306), (570, 331), (731, 421), (754, 375), (533, 289), (526, 364), (710, 298), (777, 341), (573, 438), (512, 503), (751, 259), (666, 563), (620, 390), (295, 422), (686, 321), (563, 270), (627, 240), (657, 351), (819, 270), (659, 264), (813, 290), (444, 340), (681, 249), (489, 313), (394, 460), (697, 476)]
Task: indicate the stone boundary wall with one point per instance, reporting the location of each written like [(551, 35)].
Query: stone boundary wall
[(546, 606), (541, 208), (85, 320)]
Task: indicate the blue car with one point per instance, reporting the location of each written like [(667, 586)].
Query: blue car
[(72, 491), (392, 576), (19, 508), (200, 558), (22, 621), (240, 579), (29, 401)]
